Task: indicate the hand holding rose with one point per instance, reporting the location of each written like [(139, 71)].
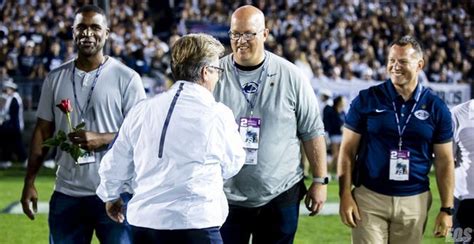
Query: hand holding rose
[(61, 139)]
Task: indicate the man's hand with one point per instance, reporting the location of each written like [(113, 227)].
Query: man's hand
[(348, 210), (89, 140), (115, 211), (443, 224), (315, 198), (28, 195)]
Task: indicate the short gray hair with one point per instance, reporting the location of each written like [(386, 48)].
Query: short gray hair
[(191, 53)]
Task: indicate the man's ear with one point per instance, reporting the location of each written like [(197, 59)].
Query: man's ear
[(421, 64), (266, 32), (73, 32), (204, 74)]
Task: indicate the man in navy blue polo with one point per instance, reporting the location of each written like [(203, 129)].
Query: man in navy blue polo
[(392, 134)]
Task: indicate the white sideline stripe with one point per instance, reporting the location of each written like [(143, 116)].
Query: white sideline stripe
[(15, 208), (330, 208)]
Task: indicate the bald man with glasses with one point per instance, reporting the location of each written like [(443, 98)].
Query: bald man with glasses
[(276, 109)]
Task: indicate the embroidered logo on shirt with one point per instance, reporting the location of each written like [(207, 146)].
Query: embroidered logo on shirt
[(379, 110), (422, 114), (250, 87)]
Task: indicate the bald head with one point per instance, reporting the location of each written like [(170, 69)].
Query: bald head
[(249, 14), (248, 35)]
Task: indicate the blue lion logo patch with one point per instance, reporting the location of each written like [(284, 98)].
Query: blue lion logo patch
[(250, 87)]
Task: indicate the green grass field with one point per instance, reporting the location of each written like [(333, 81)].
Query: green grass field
[(17, 228)]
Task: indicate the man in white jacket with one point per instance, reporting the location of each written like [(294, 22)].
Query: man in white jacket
[(176, 150), (11, 125), (463, 141)]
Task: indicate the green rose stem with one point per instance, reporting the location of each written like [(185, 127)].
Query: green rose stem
[(69, 121)]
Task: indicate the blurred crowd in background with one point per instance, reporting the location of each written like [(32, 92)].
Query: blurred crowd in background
[(329, 40)]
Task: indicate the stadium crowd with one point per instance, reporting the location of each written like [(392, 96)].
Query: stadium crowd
[(348, 39), (329, 40)]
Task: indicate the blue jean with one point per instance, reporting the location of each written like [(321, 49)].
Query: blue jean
[(74, 219), (186, 236), (274, 222)]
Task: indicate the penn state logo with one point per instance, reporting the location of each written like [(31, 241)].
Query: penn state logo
[(422, 114), (250, 87)]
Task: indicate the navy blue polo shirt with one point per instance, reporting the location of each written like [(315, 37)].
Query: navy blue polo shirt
[(372, 115)]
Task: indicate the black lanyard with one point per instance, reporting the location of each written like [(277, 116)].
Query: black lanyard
[(400, 131), (83, 109), (259, 81)]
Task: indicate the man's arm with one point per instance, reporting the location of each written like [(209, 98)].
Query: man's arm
[(44, 129), (91, 141), (317, 193), (116, 169), (444, 169), (348, 209), (231, 144)]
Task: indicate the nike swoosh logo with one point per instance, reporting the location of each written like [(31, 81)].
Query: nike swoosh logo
[(379, 110)]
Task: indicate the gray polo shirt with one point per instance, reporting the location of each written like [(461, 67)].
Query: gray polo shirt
[(117, 89), (288, 109)]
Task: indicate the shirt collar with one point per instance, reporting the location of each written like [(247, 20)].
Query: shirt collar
[(252, 68), (194, 87), (393, 93)]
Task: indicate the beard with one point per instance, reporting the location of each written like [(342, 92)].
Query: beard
[(89, 49)]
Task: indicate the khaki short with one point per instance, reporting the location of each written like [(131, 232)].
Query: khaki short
[(390, 219)]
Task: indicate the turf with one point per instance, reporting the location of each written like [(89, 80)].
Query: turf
[(17, 228)]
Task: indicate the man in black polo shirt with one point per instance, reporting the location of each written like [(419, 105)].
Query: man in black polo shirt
[(394, 129)]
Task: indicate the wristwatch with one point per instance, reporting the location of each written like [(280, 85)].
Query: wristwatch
[(322, 181), (448, 210)]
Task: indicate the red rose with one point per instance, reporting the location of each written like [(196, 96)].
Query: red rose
[(65, 106)]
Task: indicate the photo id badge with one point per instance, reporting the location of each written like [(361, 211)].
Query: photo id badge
[(399, 165), (250, 132), (251, 156), (88, 158)]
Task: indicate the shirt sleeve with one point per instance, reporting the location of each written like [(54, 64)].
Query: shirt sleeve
[(308, 116), (354, 119), (45, 106), (444, 126), (455, 124), (116, 167), (134, 93), (231, 146)]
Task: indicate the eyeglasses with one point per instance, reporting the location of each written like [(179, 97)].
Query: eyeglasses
[(218, 69), (248, 36)]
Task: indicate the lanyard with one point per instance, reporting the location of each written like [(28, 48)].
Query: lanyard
[(83, 109), (400, 131), (259, 81)]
